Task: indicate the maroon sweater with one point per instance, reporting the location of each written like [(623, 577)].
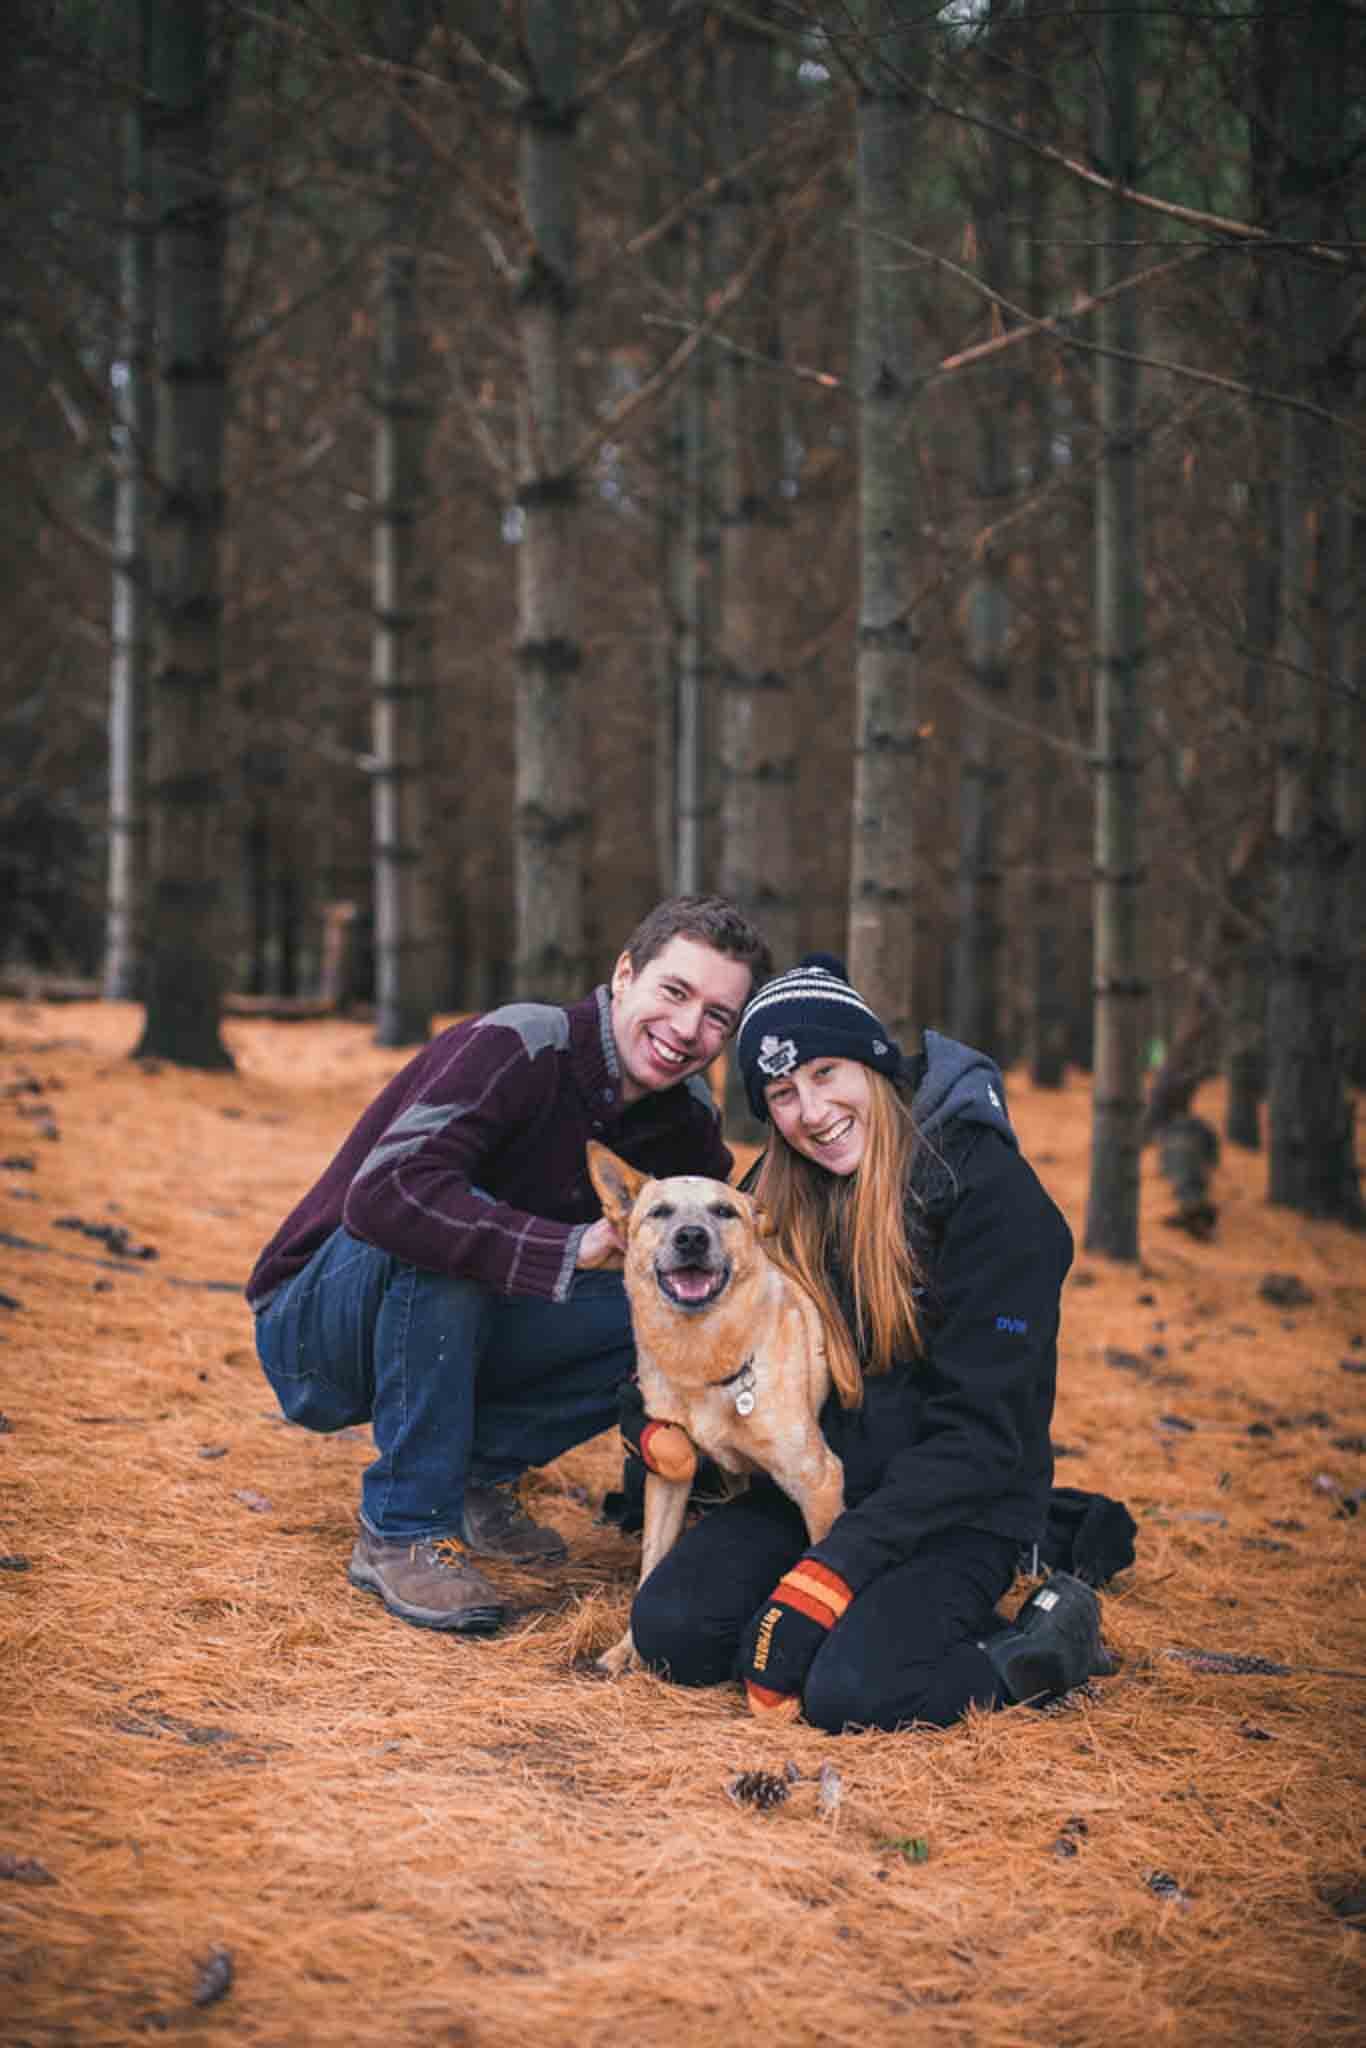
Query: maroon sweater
[(472, 1159)]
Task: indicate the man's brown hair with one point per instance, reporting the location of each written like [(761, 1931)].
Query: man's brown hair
[(711, 920)]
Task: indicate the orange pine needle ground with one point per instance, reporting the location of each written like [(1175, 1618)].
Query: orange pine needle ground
[(210, 1741)]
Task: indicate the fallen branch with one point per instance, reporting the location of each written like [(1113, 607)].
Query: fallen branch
[(1254, 1667)]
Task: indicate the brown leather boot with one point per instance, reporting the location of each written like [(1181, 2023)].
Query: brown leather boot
[(428, 1581), (497, 1525)]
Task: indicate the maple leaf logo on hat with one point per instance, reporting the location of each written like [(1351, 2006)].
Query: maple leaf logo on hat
[(777, 1056)]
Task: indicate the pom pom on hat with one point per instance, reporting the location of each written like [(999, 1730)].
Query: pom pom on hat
[(809, 1013)]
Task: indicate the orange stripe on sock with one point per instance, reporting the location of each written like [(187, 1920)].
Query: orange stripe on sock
[(813, 1589)]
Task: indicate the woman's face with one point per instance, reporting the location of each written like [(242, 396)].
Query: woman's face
[(822, 1111)]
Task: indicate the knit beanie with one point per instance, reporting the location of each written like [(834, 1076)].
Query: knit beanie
[(809, 1013)]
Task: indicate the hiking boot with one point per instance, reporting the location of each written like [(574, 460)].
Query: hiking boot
[(426, 1580), (495, 1524), (1053, 1644)]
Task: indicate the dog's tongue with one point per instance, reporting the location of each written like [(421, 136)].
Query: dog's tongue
[(691, 1283)]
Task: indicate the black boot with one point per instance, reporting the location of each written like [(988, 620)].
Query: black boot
[(1053, 1643)]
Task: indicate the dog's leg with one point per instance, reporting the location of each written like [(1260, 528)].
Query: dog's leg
[(666, 1508), (818, 1489)]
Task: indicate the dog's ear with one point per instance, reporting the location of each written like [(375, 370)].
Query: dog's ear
[(764, 1225), (617, 1183)]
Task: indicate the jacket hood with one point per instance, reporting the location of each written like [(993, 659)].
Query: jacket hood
[(956, 1084)]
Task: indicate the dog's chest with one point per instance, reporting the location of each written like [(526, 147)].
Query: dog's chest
[(729, 1419)]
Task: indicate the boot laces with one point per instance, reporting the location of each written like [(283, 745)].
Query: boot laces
[(504, 1509)]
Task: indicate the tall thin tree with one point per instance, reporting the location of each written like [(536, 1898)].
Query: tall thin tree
[(982, 792), (1047, 1027), (187, 946), (1312, 1158), (757, 758), (401, 683), (1121, 988), (891, 54), (551, 815), (128, 620)]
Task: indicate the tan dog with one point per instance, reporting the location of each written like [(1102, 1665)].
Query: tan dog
[(728, 1349)]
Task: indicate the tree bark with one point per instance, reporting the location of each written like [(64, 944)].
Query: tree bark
[(123, 936), (551, 815), (401, 684), (1312, 1158), (983, 763), (1046, 1030), (186, 953), (757, 744), (1121, 987), (881, 893)]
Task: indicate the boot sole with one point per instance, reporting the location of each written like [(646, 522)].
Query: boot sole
[(469, 1621)]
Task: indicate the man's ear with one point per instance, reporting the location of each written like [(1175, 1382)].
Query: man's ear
[(623, 974), (617, 1183)]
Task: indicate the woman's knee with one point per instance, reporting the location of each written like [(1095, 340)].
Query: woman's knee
[(680, 1643)]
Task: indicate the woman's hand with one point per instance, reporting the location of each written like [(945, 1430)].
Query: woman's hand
[(780, 1644)]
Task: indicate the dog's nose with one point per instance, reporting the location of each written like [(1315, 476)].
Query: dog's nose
[(691, 1241)]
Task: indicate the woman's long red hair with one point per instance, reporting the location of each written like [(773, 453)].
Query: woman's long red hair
[(858, 1221)]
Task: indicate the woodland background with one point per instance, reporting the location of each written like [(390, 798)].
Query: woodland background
[(470, 470), (474, 469)]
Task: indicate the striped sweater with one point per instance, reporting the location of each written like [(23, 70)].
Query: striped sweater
[(472, 1159)]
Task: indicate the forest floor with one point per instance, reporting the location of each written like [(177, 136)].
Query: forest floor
[(241, 1803)]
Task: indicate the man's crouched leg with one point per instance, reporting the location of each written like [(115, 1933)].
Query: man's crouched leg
[(427, 1580)]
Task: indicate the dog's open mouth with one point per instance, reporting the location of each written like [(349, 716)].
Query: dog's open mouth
[(692, 1286)]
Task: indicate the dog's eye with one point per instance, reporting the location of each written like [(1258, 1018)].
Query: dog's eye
[(662, 1211), (727, 1211)]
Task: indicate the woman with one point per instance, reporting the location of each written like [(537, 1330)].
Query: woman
[(901, 1200)]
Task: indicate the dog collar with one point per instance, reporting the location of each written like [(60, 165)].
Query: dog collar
[(743, 1383)]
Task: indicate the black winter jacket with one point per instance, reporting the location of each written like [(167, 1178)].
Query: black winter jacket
[(957, 1437)]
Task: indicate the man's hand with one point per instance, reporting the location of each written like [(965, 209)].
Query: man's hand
[(600, 1248)]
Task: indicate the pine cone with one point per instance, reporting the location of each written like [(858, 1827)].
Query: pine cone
[(761, 1789)]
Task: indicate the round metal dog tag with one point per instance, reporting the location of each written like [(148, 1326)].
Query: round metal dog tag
[(744, 1403)]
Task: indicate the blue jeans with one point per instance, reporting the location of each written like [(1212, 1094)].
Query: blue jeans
[(456, 1382)]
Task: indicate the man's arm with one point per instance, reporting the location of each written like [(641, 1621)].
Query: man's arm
[(417, 1196)]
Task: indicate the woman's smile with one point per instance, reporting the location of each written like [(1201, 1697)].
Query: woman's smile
[(821, 1109)]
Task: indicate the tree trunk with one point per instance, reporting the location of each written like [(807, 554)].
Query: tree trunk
[(881, 895), (1245, 1010), (186, 949), (1312, 1151), (1047, 1004), (757, 745), (551, 816), (1121, 989), (982, 798), (128, 625), (698, 563), (686, 506), (401, 682)]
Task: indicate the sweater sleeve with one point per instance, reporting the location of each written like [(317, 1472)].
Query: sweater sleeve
[(979, 1454), (417, 1195)]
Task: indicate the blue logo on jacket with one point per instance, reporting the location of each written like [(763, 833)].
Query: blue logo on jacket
[(1014, 1326)]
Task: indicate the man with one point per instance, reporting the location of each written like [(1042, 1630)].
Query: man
[(443, 1280)]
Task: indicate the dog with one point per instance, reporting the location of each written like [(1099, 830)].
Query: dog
[(730, 1353)]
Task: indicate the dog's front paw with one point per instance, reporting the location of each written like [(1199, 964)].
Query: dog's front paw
[(621, 1658)]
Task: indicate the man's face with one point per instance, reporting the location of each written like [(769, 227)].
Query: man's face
[(672, 1018)]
